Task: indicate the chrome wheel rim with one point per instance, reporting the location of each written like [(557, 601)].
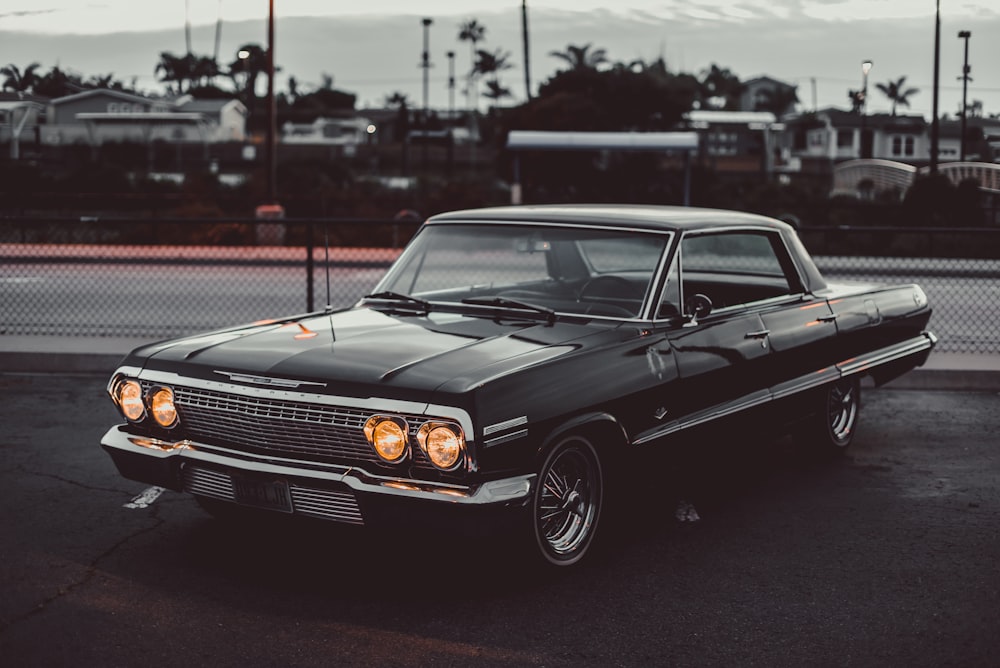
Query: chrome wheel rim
[(843, 411), (568, 503)]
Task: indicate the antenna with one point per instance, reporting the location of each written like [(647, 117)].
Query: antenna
[(326, 245)]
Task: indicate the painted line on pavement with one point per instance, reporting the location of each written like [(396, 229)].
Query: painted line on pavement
[(146, 498)]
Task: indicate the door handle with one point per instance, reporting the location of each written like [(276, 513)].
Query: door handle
[(827, 318), (757, 335)]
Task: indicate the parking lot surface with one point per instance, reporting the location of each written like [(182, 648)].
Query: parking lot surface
[(890, 556)]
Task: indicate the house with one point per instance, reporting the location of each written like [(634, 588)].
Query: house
[(761, 93), (735, 142), (102, 115), (226, 118), (330, 131)]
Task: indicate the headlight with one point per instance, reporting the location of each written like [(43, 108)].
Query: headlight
[(387, 436), (442, 443), (129, 399), (162, 407)]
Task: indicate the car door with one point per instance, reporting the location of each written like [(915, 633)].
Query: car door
[(718, 356)]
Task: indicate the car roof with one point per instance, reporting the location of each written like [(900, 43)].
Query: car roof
[(666, 218)]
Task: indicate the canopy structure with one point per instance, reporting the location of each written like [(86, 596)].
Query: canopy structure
[(667, 142), (15, 114)]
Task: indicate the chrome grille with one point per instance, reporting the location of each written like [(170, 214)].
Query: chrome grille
[(330, 433), (207, 482), (326, 504)]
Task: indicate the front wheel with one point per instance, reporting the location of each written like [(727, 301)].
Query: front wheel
[(567, 503), (831, 428)]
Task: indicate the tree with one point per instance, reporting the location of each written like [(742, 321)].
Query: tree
[(581, 57), (250, 63), (17, 81), (496, 91), (176, 71), (897, 92), (473, 32), (721, 88), (57, 83)]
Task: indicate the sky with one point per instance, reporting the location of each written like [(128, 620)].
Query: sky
[(372, 48)]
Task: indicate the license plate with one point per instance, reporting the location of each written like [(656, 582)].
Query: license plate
[(270, 494)]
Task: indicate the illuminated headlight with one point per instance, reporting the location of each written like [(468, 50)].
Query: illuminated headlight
[(442, 443), (161, 405), (129, 398), (387, 436)]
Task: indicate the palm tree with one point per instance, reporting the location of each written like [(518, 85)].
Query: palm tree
[(496, 91), (897, 92), (397, 100), (491, 63), (581, 57), (17, 81), (56, 83), (176, 70), (473, 32), (250, 63)]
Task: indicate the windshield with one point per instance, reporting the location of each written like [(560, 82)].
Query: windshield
[(569, 270)]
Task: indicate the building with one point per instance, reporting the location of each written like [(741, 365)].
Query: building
[(102, 115)]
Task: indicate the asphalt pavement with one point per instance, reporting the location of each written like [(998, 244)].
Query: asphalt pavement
[(101, 355), (889, 556)]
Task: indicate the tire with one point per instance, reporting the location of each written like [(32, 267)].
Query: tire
[(830, 429), (567, 502)]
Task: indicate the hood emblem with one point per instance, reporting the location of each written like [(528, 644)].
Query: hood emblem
[(286, 383)]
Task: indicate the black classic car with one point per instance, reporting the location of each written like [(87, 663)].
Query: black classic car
[(509, 365)]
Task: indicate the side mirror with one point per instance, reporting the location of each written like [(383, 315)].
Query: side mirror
[(696, 306)]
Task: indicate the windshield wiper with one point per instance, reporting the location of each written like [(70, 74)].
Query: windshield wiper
[(389, 295), (503, 302)]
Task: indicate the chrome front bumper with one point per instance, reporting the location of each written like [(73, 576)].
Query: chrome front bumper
[(327, 491)]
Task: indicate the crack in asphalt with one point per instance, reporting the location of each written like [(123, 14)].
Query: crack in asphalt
[(89, 573), (91, 488)]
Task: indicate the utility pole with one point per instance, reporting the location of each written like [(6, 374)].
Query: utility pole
[(524, 38), (272, 172), (935, 125), (451, 111), (964, 34)]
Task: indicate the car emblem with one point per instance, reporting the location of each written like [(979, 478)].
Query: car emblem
[(286, 383)]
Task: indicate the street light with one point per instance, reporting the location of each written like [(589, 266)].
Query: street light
[(866, 67), (425, 64), (451, 111), (964, 34)]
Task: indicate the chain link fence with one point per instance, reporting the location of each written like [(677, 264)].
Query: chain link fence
[(164, 278)]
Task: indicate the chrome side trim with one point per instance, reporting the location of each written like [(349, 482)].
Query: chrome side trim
[(888, 354), (706, 415), (914, 346), (506, 438), (503, 426)]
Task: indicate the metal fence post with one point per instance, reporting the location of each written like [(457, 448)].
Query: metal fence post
[(310, 267)]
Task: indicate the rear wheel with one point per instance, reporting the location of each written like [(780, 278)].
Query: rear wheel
[(567, 502), (831, 428)]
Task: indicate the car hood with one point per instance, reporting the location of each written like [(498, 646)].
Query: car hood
[(363, 351)]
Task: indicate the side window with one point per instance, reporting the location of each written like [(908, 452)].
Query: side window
[(733, 268), (670, 303)]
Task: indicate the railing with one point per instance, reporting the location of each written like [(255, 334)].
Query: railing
[(161, 278)]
